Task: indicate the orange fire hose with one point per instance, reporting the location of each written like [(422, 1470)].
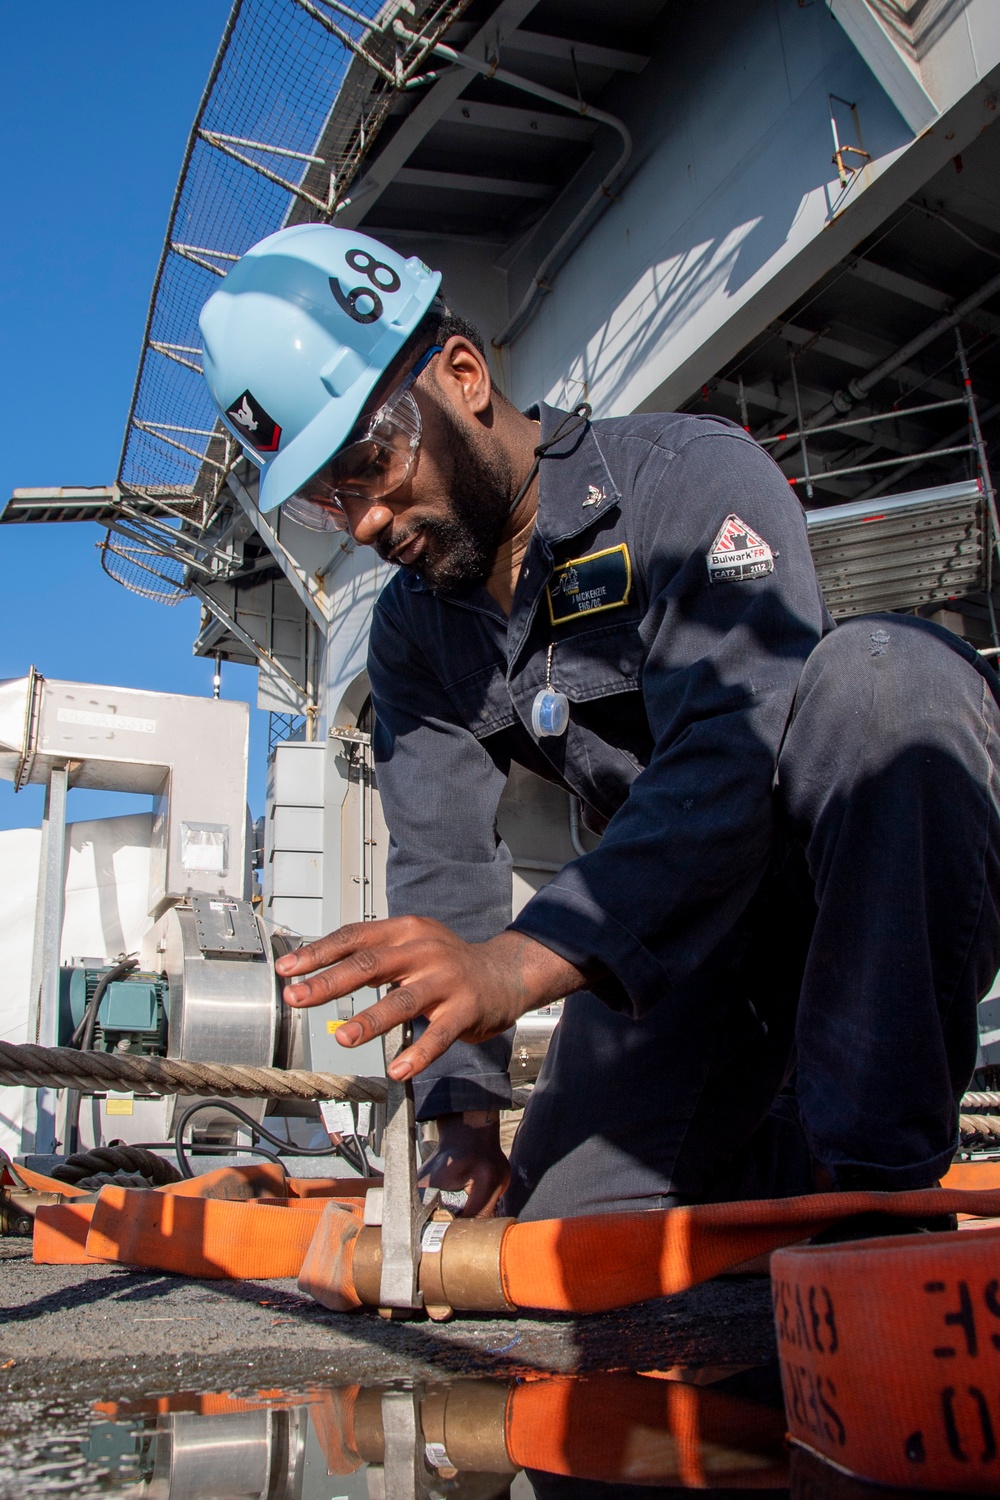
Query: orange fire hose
[(601, 1261), (221, 1224), (203, 1236), (890, 1357), (589, 1264)]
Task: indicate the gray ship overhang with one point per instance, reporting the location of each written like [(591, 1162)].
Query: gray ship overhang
[(826, 196)]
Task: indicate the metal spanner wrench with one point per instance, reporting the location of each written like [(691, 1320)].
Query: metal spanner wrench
[(404, 1214)]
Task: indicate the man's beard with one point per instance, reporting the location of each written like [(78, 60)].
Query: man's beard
[(464, 543)]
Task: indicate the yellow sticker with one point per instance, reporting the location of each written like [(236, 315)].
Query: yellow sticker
[(333, 1026), (119, 1104)]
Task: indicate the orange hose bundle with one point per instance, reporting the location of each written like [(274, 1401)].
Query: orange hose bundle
[(39, 1182), (212, 1237), (221, 1224), (60, 1234), (201, 1236), (331, 1187), (264, 1179), (587, 1264)]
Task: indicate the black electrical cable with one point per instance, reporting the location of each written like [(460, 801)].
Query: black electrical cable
[(83, 1038), (571, 423), (199, 1148), (204, 1149), (286, 1147), (367, 1168)]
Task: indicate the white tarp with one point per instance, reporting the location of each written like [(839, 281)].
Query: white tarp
[(107, 896), (13, 708)]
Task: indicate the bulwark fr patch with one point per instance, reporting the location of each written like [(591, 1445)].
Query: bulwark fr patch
[(586, 585), (256, 428), (738, 554)]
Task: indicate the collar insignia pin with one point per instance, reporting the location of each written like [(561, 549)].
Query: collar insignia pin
[(594, 496)]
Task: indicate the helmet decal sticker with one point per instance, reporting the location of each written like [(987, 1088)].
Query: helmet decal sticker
[(245, 416), (367, 265), (257, 429), (363, 303)]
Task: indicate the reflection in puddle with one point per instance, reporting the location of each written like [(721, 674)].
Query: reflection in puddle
[(547, 1437)]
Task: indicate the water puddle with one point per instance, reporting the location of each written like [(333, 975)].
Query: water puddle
[(550, 1437)]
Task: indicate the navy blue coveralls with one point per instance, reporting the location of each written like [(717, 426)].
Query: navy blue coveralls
[(800, 866)]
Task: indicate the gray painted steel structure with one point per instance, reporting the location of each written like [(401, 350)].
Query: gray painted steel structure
[(808, 210)]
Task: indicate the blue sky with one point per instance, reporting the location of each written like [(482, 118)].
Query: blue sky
[(95, 107)]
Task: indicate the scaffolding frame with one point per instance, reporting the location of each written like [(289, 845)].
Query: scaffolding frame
[(812, 475), (975, 446)]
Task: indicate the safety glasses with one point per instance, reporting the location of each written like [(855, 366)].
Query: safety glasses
[(371, 465)]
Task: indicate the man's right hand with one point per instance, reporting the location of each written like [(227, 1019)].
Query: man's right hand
[(469, 992), (469, 1159)]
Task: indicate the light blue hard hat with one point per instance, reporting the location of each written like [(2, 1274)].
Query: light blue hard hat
[(296, 338)]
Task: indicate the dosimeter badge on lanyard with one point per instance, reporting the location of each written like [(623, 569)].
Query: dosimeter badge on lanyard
[(550, 710), (297, 337)]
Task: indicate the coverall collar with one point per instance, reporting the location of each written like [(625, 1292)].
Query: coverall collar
[(574, 488), (574, 482)]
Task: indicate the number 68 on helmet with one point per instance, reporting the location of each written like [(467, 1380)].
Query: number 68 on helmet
[(296, 338)]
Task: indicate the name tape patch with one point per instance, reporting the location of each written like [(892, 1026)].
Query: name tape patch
[(586, 585), (738, 554)]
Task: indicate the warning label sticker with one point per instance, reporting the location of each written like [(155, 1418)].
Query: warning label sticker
[(738, 554)]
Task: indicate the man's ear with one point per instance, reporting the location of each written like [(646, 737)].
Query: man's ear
[(464, 375)]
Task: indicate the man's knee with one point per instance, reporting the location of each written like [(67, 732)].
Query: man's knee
[(881, 683), (892, 714), (902, 648)]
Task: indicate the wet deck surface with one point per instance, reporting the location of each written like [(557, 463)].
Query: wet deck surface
[(114, 1381), (107, 1332)]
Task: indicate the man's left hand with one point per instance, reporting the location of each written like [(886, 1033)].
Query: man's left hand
[(468, 991), (469, 1159)]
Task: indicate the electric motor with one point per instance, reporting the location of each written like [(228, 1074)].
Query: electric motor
[(133, 1015)]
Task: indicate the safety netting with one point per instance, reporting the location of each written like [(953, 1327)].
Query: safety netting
[(297, 93)]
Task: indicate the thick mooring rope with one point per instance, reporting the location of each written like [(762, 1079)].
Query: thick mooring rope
[(981, 1103), (979, 1132), (83, 1168), (65, 1067)]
